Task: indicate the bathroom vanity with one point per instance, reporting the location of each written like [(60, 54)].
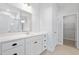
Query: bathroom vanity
[(23, 44)]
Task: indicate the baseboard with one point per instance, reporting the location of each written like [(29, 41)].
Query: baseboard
[(60, 43), (43, 51), (69, 39)]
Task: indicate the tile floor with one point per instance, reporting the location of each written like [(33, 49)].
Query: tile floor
[(67, 49), (69, 42), (63, 50)]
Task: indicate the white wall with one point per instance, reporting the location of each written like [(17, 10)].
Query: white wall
[(46, 14), (35, 17), (48, 23), (46, 17), (44, 20)]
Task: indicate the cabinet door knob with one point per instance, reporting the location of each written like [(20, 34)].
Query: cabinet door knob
[(14, 44), (15, 54), (44, 46), (55, 32), (44, 40), (44, 35), (35, 42)]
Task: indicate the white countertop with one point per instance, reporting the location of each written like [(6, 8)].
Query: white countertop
[(13, 36)]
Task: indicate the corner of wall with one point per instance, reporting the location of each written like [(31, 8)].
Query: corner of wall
[(60, 43)]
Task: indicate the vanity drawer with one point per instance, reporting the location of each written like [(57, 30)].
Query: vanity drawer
[(16, 51), (12, 44), (36, 46)]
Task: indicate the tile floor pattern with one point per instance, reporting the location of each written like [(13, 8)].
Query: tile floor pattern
[(63, 50), (69, 42)]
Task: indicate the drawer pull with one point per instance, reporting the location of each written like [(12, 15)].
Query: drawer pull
[(14, 44), (15, 54), (55, 32), (44, 40), (44, 46), (44, 35), (36, 42)]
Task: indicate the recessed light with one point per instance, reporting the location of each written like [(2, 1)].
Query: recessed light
[(22, 21)]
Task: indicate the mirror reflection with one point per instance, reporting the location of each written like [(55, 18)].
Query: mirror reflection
[(14, 19)]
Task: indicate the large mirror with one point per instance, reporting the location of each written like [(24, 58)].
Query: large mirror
[(13, 19)]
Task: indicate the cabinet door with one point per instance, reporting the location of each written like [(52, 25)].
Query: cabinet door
[(36, 45), (15, 51), (27, 46), (12, 44), (44, 42)]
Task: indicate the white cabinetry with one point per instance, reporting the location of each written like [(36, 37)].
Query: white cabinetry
[(27, 46), (12, 44), (33, 45), (13, 47), (44, 42), (36, 45), (15, 51)]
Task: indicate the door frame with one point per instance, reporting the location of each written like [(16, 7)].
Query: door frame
[(75, 27)]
